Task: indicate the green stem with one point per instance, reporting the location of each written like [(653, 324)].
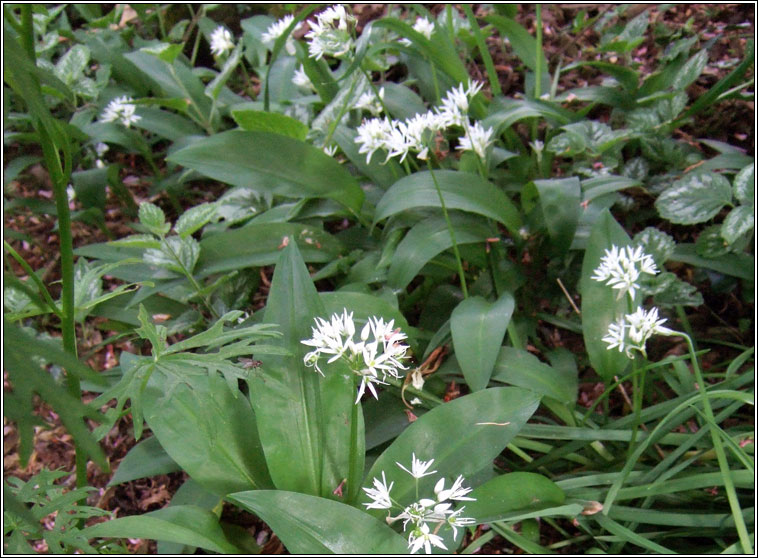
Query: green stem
[(538, 63), (461, 274), (731, 493), (191, 279), (353, 458)]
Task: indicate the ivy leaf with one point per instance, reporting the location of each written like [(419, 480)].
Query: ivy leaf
[(696, 198), (194, 218), (710, 243), (656, 243)]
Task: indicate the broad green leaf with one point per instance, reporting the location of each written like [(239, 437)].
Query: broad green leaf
[(506, 112), (168, 125), (478, 327), (695, 198), (208, 431), (627, 77), (259, 244), (676, 292), (744, 185), (520, 368), (261, 121), (189, 525), (271, 163), (306, 451), (146, 459), (311, 525), (460, 190), (153, 218), (510, 493), (691, 70), (462, 436), (427, 239), (736, 265), (656, 243), (559, 200), (402, 102), (600, 305), (194, 218), (740, 220), (165, 51), (72, 64), (176, 254)]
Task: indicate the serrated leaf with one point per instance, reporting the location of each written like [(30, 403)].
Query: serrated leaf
[(740, 221), (153, 218), (137, 241), (695, 198), (678, 293), (176, 254), (710, 243), (72, 64), (194, 218), (744, 185), (691, 70), (656, 243), (478, 327)]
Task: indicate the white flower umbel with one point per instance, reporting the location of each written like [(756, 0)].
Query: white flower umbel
[(371, 359), (455, 105), (368, 101), (276, 30), (620, 268), (330, 33), (221, 41), (373, 135), (423, 518), (477, 139), (121, 109), (418, 467), (632, 332)]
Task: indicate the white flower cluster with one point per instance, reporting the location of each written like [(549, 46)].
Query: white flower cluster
[(370, 102), (221, 41), (633, 330), (620, 268), (368, 358), (121, 109), (276, 30), (436, 511), (301, 79), (423, 26), (330, 33), (398, 138)]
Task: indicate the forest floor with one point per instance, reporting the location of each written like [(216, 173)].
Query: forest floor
[(730, 24)]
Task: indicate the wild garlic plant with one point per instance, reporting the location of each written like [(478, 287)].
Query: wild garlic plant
[(379, 351), (424, 518)]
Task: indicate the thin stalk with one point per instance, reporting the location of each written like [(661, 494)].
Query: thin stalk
[(538, 62), (33, 276), (461, 274), (191, 279), (352, 472), (731, 493)]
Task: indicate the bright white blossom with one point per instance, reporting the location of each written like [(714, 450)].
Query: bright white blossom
[(330, 33), (221, 41), (620, 268), (276, 30), (380, 494), (633, 330), (368, 101), (374, 135), (423, 518), (423, 26), (418, 467), (301, 79), (121, 109), (477, 139), (380, 351), (455, 105)]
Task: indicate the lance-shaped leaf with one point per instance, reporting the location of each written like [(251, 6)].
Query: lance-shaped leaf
[(209, 432), (460, 190), (271, 163), (600, 305), (559, 200), (513, 492), (306, 451), (188, 525), (462, 436), (478, 327), (311, 525), (430, 237)]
